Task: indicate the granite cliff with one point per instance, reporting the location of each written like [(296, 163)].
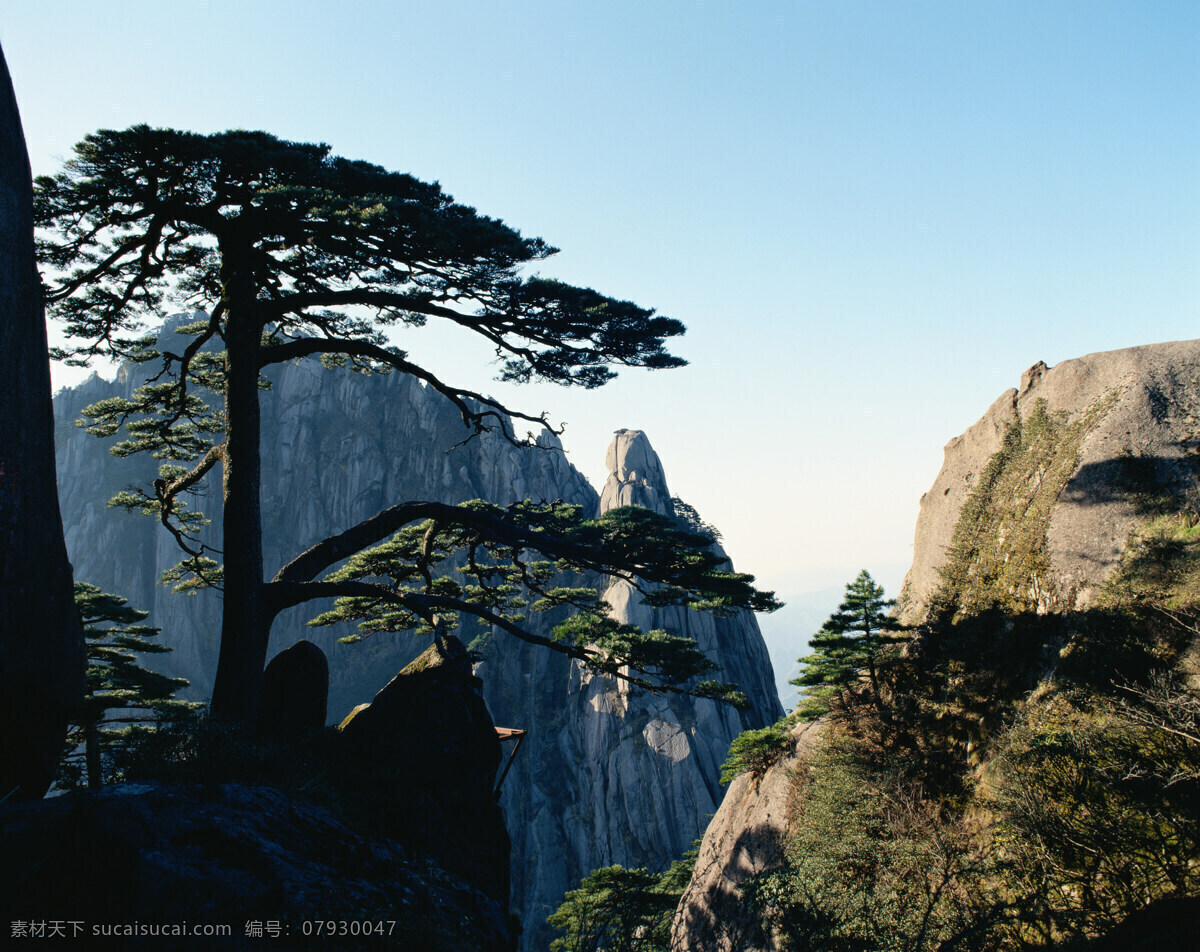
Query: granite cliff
[(1052, 555), (1123, 429), (604, 776)]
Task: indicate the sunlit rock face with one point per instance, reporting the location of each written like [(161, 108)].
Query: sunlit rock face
[(746, 837), (1137, 417), (604, 775)]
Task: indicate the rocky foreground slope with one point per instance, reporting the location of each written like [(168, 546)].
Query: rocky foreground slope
[(603, 776)]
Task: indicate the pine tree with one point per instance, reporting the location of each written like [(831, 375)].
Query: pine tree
[(848, 652), (298, 254), (116, 681)]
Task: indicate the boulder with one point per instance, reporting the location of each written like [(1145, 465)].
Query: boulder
[(295, 693), (419, 764), (1134, 418)]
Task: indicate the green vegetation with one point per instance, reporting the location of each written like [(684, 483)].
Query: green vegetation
[(998, 556), (849, 652), (116, 681), (1036, 778), (1160, 566), (622, 910), (873, 864), (756, 751), (1096, 800)]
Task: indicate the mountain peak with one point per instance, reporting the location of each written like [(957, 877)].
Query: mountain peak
[(635, 475)]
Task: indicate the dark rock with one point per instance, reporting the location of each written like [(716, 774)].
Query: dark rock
[(295, 693), (41, 642), (419, 762), (228, 855), (1163, 926)]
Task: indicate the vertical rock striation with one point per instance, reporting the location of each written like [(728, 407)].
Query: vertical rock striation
[(609, 774), (41, 642), (604, 776)]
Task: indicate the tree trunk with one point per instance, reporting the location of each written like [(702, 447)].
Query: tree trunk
[(92, 758), (41, 640), (245, 620)]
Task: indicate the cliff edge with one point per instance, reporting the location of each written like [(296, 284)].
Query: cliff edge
[(1120, 427)]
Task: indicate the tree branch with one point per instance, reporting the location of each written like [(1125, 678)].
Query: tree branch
[(308, 346), (281, 595), (496, 528)]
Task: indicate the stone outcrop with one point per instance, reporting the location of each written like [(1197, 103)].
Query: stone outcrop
[(603, 776), (227, 855), (745, 837), (609, 775), (295, 693), (419, 763), (41, 642), (1140, 412)]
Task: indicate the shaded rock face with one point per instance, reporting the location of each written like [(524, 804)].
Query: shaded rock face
[(745, 837), (424, 755), (1142, 411), (228, 855), (603, 776), (41, 642), (295, 693)]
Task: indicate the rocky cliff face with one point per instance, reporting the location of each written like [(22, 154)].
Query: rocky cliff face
[(1122, 427), (617, 776), (603, 776), (1039, 507), (745, 837)]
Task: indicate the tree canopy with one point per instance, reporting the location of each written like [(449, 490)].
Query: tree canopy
[(848, 649), (295, 253), (116, 681)]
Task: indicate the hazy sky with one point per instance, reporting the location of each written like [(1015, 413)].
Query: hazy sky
[(872, 216)]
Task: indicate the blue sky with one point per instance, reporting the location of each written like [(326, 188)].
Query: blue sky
[(872, 216)]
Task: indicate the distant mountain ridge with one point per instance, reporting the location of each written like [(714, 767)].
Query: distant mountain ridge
[(604, 775)]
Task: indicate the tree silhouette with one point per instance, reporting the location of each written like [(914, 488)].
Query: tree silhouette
[(116, 681), (296, 253)]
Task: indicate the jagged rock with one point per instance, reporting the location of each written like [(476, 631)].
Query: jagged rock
[(1168, 923), (419, 762), (41, 642), (1145, 404), (229, 855), (603, 776), (608, 774), (635, 475), (295, 693), (745, 837)]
